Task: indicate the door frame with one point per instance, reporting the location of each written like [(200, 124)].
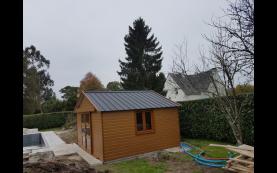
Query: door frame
[(91, 133), (86, 136)]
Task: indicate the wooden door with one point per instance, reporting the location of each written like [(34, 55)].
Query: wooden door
[(86, 131)]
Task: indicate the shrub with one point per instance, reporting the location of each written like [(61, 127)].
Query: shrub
[(71, 121), (203, 119), (46, 120)]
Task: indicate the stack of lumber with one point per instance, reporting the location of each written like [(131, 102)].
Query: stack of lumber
[(244, 162)]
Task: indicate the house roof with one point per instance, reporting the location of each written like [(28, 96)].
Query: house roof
[(193, 84), (128, 100)]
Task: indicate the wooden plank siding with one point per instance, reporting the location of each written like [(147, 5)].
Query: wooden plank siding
[(120, 138), (79, 128), (85, 106), (114, 133), (96, 130), (97, 135)]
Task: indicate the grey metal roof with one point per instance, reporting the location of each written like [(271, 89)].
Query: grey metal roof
[(193, 84), (128, 100)]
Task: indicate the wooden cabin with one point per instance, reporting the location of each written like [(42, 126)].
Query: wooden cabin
[(117, 124)]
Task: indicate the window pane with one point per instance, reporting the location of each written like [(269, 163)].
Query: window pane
[(82, 118), (87, 118), (139, 121), (148, 120)]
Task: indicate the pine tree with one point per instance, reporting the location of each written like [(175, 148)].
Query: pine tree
[(144, 58)]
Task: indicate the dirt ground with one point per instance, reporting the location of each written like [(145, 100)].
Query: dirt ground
[(69, 136), (46, 163), (177, 163)]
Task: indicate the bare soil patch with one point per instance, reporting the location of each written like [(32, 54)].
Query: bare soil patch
[(181, 163), (69, 136), (46, 163)]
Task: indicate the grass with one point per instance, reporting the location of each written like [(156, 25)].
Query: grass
[(210, 151), (134, 166), (169, 162), (180, 157)]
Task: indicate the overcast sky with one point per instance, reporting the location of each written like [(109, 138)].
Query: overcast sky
[(80, 36)]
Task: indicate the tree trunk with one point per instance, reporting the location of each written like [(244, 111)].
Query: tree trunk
[(236, 131)]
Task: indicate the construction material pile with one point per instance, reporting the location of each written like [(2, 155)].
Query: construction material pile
[(244, 162)]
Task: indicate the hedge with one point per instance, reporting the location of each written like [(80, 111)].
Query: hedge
[(46, 120), (203, 119)]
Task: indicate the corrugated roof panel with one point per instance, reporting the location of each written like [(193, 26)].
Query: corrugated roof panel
[(128, 100), (134, 102), (118, 103), (124, 101), (106, 102), (143, 103), (152, 102)]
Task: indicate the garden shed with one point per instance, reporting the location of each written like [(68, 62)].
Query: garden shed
[(117, 124)]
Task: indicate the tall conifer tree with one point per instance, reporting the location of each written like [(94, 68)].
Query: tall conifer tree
[(144, 58)]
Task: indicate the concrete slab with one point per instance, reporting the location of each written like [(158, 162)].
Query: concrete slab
[(174, 149), (67, 149), (53, 143), (30, 131), (51, 139), (87, 157), (64, 149)]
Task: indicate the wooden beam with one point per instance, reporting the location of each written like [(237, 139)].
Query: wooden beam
[(242, 152), (241, 147), (242, 161), (241, 168), (219, 145), (235, 170), (246, 147)]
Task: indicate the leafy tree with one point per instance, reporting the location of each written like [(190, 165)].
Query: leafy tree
[(90, 82), (69, 96), (36, 80), (114, 86), (52, 105), (247, 88), (144, 59)]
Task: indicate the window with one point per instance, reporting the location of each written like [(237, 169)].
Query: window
[(144, 122), (148, 121), (85, 118), (176, 91), (139, 121)]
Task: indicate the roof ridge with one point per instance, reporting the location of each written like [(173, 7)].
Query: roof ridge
[(195, 74)]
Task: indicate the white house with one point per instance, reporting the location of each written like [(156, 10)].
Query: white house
[(180, 87)]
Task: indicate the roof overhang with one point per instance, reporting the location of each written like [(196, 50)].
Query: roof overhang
[(80, 99)]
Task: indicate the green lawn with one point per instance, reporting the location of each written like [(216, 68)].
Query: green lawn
[(170, 162), (210, 151), (134, 166)]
